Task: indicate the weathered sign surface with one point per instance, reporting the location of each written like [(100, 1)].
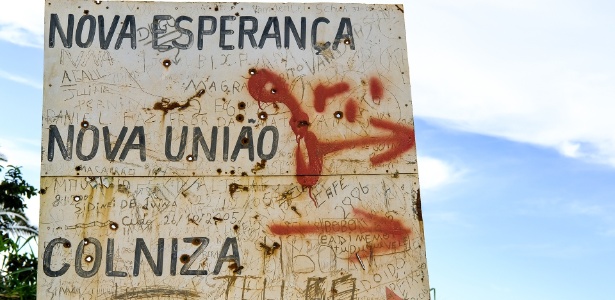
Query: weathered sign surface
[(228, 151)]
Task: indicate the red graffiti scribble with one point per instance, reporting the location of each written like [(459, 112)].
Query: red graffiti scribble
[(369, 223), (322, 93), (376, 89), (351, 111), (265, 86), (391, 295)]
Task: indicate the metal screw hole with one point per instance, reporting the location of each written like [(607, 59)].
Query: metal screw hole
[(262, 115), (184, 258), (113, 226)]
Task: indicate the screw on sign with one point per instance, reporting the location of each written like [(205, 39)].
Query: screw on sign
[(267, 87)]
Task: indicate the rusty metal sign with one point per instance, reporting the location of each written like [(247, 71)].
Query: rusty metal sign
[(228, 151)]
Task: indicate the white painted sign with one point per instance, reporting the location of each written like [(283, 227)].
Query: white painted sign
[(228, 151)]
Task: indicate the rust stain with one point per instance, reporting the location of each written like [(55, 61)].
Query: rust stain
[(165, 105), (234, 267), (293, 208), (184, 258), (417, 204), (270, 250), (123, 189), (259, 166), (234, 187)]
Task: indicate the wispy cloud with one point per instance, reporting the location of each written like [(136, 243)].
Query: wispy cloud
[(22, 23), (524, 84), (21, 80), (434, 173)]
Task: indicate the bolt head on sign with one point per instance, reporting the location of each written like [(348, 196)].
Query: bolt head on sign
[(228, 151)]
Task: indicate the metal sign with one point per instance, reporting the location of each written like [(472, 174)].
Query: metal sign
[(228, 151)]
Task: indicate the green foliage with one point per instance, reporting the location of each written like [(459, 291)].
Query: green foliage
[(18, 265), (18, 272), (13, 189)]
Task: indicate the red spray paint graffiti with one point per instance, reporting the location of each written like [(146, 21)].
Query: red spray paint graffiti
[(391, 295), (267, 87), (370, 223)]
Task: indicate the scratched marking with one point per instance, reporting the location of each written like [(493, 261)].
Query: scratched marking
[(267, 87)]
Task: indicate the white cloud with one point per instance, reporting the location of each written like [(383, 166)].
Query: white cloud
[(541, 80), (21, 22), (22, 80), (435, 173)]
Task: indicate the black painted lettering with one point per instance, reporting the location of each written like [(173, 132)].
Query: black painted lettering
[(274, 142), (244, 141), (185, 270), (247, 32), (111, 153), (79, 146), (224, 32), (182, 144), (90, 33), (173, 270), (199, 139), (141, 247), (65, 149), (315, 44), (271, 22), (96, 259), (137, 131), (129, 23), (225, 144), (109, 261), (47, 258), (105, 39), (156, 30), (66, 37), (233, 258), (202, 31), (289, 27), (183, 31), (341, 35)]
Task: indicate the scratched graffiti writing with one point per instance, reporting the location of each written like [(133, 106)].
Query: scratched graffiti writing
[(228, 151), (267, 87)]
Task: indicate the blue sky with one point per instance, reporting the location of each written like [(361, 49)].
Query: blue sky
[(513, 111)]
